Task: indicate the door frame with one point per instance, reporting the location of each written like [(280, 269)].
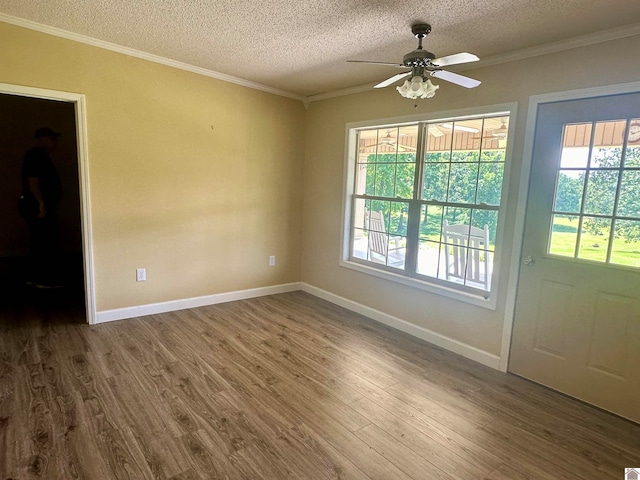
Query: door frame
[(83, 173), (523, 192)]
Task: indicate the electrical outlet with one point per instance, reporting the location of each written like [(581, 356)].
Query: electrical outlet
[(141, 274), (272, 260)]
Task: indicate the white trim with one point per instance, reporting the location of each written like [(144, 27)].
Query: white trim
[(523, 190), (368, 87), (485, 300), (559, 46), (468, 351), (461, 113), (581, 41), (546, 49), (58, 32), (83, 173), (182, 304)]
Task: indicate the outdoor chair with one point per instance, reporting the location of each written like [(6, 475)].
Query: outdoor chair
[(467, 253), (384, 248)]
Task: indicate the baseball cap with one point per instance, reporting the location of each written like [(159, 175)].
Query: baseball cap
[(45, 132)]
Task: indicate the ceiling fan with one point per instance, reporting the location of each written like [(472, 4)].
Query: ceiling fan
[(390, 141), (423, 63), (494, 134)]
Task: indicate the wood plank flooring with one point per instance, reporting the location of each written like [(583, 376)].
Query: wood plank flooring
[(280, 387)]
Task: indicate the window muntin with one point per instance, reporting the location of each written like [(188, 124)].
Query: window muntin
[(596, 214), (419, 178)]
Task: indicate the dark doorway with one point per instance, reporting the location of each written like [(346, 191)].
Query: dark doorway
[(20, 116)]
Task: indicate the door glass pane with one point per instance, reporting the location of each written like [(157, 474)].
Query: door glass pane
[(608, 138), (606, 157), (601, 192), (611, 182), (575, 157), (629, 202), (564, 235), (575, 145), (626, 243), (632, 158), (594, 239), (569, 191)]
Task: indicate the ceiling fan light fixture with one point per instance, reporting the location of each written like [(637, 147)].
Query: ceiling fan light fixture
[(417, 87), (501, 132)]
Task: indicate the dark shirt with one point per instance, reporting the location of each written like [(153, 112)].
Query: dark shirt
[(38, 164)]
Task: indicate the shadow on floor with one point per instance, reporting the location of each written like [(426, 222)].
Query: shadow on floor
[(65, 304)]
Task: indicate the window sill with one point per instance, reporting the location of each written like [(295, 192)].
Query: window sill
[(484, 299)]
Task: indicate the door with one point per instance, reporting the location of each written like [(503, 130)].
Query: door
[(577, 318)]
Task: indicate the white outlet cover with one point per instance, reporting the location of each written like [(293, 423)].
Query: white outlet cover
[(141, 274)]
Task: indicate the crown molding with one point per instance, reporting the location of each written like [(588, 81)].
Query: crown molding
[(554, 47), (20, 22), (547, 48), (341, 93)]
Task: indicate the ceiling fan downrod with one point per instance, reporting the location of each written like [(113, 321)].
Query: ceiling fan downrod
[(420, 30)]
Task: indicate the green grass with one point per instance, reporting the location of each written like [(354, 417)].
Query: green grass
[(593, 247)]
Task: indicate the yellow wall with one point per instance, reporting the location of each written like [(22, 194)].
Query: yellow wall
[(195, 179), (200, 181), (596, 65)]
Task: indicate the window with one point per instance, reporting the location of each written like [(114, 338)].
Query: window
[(423, 202), (596, 213)]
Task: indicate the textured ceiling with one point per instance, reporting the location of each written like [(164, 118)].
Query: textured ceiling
[(301, 46)]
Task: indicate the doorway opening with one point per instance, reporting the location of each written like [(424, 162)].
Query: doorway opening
[(22, 111)]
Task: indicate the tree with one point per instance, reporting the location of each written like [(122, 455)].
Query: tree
[(466, 177), (601, 187), (569, 193)]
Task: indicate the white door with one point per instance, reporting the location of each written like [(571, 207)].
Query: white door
[(577, 320)]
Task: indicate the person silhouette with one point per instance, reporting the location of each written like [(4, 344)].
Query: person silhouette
[(41, 194)]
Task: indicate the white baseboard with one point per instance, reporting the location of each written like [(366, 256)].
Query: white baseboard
[(473, 353), (443, 341), (151, 309)]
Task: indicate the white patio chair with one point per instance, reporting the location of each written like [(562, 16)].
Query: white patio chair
[(467, 253), (384, 248)]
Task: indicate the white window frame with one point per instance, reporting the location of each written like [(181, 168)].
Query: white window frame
[(486, 299)]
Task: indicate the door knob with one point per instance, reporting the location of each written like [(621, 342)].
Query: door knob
[(528, 260)]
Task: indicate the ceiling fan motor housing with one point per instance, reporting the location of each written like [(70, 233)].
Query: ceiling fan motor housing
[(418, 58)]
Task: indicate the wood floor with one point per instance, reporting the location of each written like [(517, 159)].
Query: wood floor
[(279, 387)]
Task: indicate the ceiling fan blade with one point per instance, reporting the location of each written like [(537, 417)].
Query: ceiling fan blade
[(404, 148), (455, 78), (457, 126), (399, 65), (391, 80), (455, 59), (435, 131)]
